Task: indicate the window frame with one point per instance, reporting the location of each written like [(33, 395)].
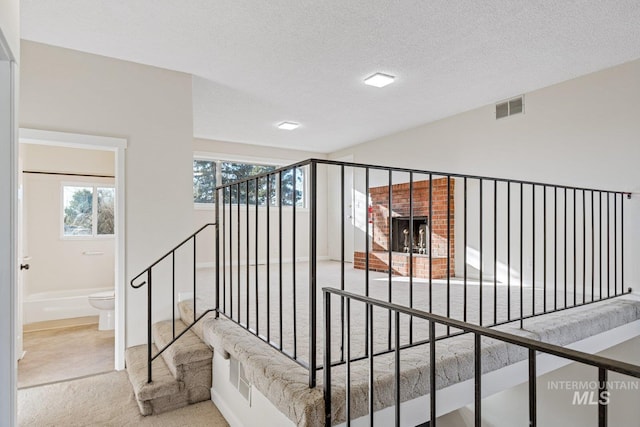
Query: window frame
[(94, 210), (220, 158)]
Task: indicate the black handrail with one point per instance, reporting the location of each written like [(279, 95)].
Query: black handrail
[(604, 364), (148, 271)]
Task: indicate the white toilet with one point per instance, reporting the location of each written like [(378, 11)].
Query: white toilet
[(105, 302)]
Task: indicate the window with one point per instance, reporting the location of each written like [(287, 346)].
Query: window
[(204, 181), (88, 210), (208, 173)]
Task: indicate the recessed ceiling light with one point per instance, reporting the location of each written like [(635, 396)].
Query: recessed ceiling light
[(379, 80), (288, 125)]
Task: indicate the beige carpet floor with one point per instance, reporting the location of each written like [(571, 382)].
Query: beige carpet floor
[(65, 353), (103, 400)]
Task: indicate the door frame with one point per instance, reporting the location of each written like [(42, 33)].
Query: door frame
[(8, 249), (118, 146)]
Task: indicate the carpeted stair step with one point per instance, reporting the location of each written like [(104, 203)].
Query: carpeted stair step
[(186, 314), (164, 393), (189, 359)]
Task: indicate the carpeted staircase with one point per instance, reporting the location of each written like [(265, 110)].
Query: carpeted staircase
[(181, 375)]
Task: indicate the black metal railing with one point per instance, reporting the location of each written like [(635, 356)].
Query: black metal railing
[(603, 364), (267, 301), (147, 279), (528, 248)]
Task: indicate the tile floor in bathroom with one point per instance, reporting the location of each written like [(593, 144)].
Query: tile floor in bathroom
[(62, 353)]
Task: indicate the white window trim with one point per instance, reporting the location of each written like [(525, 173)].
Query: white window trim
[(94, 210), (266, 161)]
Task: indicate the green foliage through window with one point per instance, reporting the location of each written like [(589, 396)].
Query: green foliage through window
[(86, 215), (207, 173)]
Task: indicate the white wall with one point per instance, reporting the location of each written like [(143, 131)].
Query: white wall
[(582, 132), (75, 92), (9, 49), (10, 25)]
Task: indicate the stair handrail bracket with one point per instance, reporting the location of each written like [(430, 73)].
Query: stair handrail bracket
[(149, 284)]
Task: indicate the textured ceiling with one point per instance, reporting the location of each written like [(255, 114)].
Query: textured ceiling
[(257, 63)]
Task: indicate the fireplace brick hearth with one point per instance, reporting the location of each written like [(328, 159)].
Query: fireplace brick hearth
[(400, 212)]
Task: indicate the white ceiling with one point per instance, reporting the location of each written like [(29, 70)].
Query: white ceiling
[(257, 63)]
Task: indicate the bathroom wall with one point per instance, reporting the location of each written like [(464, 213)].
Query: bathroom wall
[(63, 271)]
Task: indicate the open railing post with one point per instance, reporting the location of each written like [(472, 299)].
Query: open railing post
[(217, 202), (327, 358), (313, 217), (149, 356)]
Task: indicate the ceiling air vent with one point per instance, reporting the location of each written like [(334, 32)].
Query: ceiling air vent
[(510, 107)]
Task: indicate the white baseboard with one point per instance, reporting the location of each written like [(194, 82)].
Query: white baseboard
[(224, 409)]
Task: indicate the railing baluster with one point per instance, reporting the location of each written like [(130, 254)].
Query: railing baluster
[(575, 255), (248, 255), (366, 259), (347, 301), (313, 254), (370, 356), (430, 226), (432, 373), (622, 240), (396, 371), (327, 358), (495, 251), (600, 242), (532, 389), (390, 256), (149, 325), (342, 258), (410, 254), (564, 229), (280, 232), (481, 262), (593, 249), (464, 308), (255, 261), (173, 294), (217, 243), (544, 248), (231, 252), (521, 254), (477, 379), (195, 278), (555, 248), (615, 244), (608, 245), (268, 255), (239, 263), (293, 267), (584, 247), (533, 250), (508, 251), (603, 398), (448, 249)]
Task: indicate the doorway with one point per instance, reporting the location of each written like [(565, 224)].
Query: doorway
[(88, 237)]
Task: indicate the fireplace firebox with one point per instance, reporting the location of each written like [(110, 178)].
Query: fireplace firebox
[(404, 241)]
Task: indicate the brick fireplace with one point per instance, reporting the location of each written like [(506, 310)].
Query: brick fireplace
[(402, 242)]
